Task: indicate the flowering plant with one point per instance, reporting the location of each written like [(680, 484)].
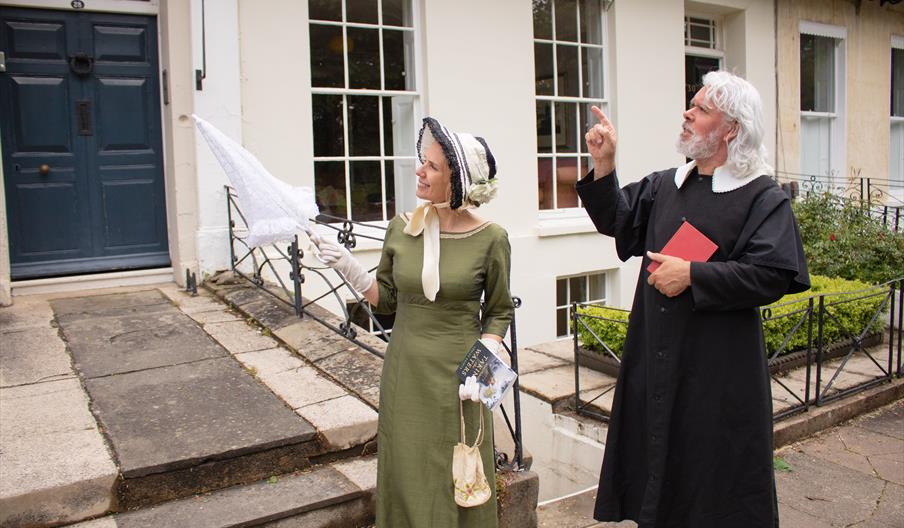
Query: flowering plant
[(482, 192)]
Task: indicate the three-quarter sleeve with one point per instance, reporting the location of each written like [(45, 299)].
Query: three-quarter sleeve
[(385, 281), (498, 306), (620, 213)]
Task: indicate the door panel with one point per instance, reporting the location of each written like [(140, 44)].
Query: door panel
[(101, 204)]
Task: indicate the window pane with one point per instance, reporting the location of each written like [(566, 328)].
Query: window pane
[(325, 10), (396, 13), (588, 119), (566, 127), (597, 286), (817, 73), (387, 126), (815, 145), (329, 186), (561, 292), (896, 156), (566, 177), (586, 165), (701, 36), (363, 125), (542, 19), (567, 67), (363, 58), (544, 183), (367, 194), (566, 20), (591, 22), (396, 73), (327, 118), (364, 11), (592, 70), (543, 68), (544, 126), (562, 322), (578, 289), (897, 82), (326, 56), (390, 190)]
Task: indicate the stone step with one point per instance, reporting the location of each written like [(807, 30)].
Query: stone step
[(190, 406), (331, 495)]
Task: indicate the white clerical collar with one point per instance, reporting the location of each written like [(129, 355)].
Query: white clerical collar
[(724, 180)]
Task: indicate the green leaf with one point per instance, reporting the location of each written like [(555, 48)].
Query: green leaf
[(273, 480), (779, 464)]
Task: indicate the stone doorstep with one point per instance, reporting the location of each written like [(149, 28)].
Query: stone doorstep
[(321, 496)]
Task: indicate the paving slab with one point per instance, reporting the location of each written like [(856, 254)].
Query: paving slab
[(830, 492), (270, 361), (302, 386), (249, 505), (136, 341), (362, 472), (356, 369), (238, 337), (25, 312), (55, 464), (889, 421), (554, 384), (562, 349), (174, 417), (73, 309), (271, 313), (218, 315), (33, 355), (312, 340), (342, 422), (531, 361)]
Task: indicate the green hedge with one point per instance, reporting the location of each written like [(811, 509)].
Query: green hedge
[(612, 328), (846, 313), (611, 324)]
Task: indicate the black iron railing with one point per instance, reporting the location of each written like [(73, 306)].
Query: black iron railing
[(265, 275), (821, 363)]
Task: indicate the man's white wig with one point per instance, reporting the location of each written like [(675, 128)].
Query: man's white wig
[(740, 102)]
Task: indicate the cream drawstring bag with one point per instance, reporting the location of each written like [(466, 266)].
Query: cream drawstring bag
[(471, 487)]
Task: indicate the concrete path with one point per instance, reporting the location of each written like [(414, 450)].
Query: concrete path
[(851, 475)]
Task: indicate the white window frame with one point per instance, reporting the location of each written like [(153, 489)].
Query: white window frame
[(896, 181), (717, 51), (837, 119), (416, 108), (571, 213), (567, 306)]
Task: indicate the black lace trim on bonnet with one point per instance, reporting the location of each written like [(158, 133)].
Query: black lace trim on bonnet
[(449, 151)]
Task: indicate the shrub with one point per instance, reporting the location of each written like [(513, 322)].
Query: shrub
[(842, 240), (609, 324), (846, 314), (850, 305)]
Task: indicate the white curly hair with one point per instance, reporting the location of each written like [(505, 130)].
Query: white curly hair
[(740, 102)]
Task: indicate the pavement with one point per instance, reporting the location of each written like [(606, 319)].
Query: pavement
[(851, 475), (121, 399)]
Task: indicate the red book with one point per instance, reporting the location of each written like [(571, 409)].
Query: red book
[(689, 244)]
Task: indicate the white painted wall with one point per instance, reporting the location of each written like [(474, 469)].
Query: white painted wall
[(475, 74)]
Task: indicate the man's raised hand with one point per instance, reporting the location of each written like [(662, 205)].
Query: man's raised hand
[(601, 140)]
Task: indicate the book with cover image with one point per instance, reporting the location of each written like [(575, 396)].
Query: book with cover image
[(494, 377)]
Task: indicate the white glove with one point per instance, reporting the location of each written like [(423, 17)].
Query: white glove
[(338, 258), (491, 344), (469, 390)]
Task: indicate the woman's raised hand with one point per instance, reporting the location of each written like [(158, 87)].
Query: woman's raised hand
[(338, 258), (601, 139)]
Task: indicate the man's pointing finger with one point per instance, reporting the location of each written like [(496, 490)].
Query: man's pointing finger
[(601, 116)]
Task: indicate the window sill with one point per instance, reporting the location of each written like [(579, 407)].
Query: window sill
[(566, 223)]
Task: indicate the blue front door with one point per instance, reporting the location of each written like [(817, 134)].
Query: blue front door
[(82, 149)]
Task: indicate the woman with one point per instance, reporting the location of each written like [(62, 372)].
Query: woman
[(437, 263)]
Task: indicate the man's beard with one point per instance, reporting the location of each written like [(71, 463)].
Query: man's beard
[(698, 147)]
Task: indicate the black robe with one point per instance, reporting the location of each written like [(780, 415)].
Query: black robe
[(690, 435)]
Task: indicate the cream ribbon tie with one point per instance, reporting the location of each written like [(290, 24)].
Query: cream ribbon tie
[(425, 219)]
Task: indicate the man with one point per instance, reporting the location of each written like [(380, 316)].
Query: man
[(690, 436)]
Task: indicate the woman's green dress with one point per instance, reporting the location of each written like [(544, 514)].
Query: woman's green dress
[(419, 412)]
